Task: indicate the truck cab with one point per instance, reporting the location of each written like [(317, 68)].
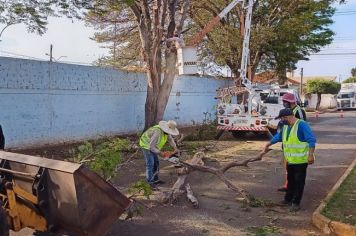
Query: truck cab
[(346, 98)]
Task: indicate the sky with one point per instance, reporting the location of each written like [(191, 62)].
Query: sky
[(338, 58), (72, 44)]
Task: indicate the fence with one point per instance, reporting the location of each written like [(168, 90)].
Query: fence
[(47, 103)]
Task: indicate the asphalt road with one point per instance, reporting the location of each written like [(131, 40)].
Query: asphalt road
[(219, 214)]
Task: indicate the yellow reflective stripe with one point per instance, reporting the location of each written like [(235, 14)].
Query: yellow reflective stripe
[(289, 145), (292, 154)]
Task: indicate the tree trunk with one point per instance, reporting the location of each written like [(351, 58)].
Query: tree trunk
[(151, 97), (318, 101), (167, 84)]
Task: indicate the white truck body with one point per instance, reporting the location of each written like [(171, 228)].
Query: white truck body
[(265, 106), (346, 98)]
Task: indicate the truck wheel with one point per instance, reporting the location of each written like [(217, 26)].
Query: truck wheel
[(238, 134), (4, 224)]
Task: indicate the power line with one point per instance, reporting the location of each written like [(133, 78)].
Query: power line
[(334, 54), (17, 55), (21, 55)]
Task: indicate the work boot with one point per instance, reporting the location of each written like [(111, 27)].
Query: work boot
[(154, 187), (295, 207), (285, 203), (159, 182), (282, 189)]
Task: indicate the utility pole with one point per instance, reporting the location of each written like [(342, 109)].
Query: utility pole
[(339, 78), (50, 53), (301, 81)]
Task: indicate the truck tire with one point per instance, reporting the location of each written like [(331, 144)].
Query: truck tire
[(4, 224), (238, 134)]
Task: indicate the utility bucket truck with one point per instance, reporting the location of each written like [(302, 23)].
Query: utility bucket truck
[(240, 108), (247, 112)]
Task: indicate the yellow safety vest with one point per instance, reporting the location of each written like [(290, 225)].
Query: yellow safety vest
[(146, 138), (298, 109), (295, 151)]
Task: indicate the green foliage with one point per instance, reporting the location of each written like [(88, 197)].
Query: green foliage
[(353, 72), (279, 38), (267, 230), (104, 157), (141, 187), (320, 86), (257, 202), (350, 80), (34, 14)]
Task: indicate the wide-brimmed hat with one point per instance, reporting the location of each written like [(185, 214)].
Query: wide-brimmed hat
[(169, 127), (284, 112)]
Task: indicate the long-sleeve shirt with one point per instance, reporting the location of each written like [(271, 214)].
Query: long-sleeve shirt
[(305, 134), (154, 141)]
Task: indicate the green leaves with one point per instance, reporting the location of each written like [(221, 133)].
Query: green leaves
[(350, 80), (353, 72), (320, 86), (283, 32), (104, 157), (141, 187)]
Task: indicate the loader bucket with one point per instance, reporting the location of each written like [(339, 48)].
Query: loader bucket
[(76, 200)]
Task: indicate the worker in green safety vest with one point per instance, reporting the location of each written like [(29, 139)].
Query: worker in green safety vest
[(289, 101), (298, 147), (152, 142)]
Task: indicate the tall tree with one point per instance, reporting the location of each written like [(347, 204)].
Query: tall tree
[(353, 72), (283, 32), (320, 86), (152, 22), (139, 31)]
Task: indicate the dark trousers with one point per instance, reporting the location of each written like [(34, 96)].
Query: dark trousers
[(2, 139), (296, 174)]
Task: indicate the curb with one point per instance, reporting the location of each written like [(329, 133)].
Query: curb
[(326, 225)]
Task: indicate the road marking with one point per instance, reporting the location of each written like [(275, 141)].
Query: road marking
[(335, 146), (341, 135), (328, 167)]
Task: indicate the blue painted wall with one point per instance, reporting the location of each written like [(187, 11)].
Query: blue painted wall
[(47, 103)]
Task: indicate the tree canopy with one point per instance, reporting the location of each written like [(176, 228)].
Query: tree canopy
[(353, 72), (320, 86), (283, 32), (350, 80), (34, 14)]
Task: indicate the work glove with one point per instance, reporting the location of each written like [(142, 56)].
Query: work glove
[(166, 154)]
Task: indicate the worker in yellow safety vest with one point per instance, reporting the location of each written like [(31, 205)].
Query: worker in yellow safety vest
[(298, 147), (289, 101), (152, 142)]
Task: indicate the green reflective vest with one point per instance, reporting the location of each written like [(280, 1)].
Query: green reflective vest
[(146, 138), (298, 109), (295, 151)]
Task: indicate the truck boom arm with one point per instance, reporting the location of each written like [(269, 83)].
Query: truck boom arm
[(246, 46), (212, 23)]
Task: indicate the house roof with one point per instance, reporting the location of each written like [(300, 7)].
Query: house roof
[(296, 80)]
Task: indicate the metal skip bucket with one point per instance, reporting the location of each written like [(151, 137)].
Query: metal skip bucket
[(73, 198)]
